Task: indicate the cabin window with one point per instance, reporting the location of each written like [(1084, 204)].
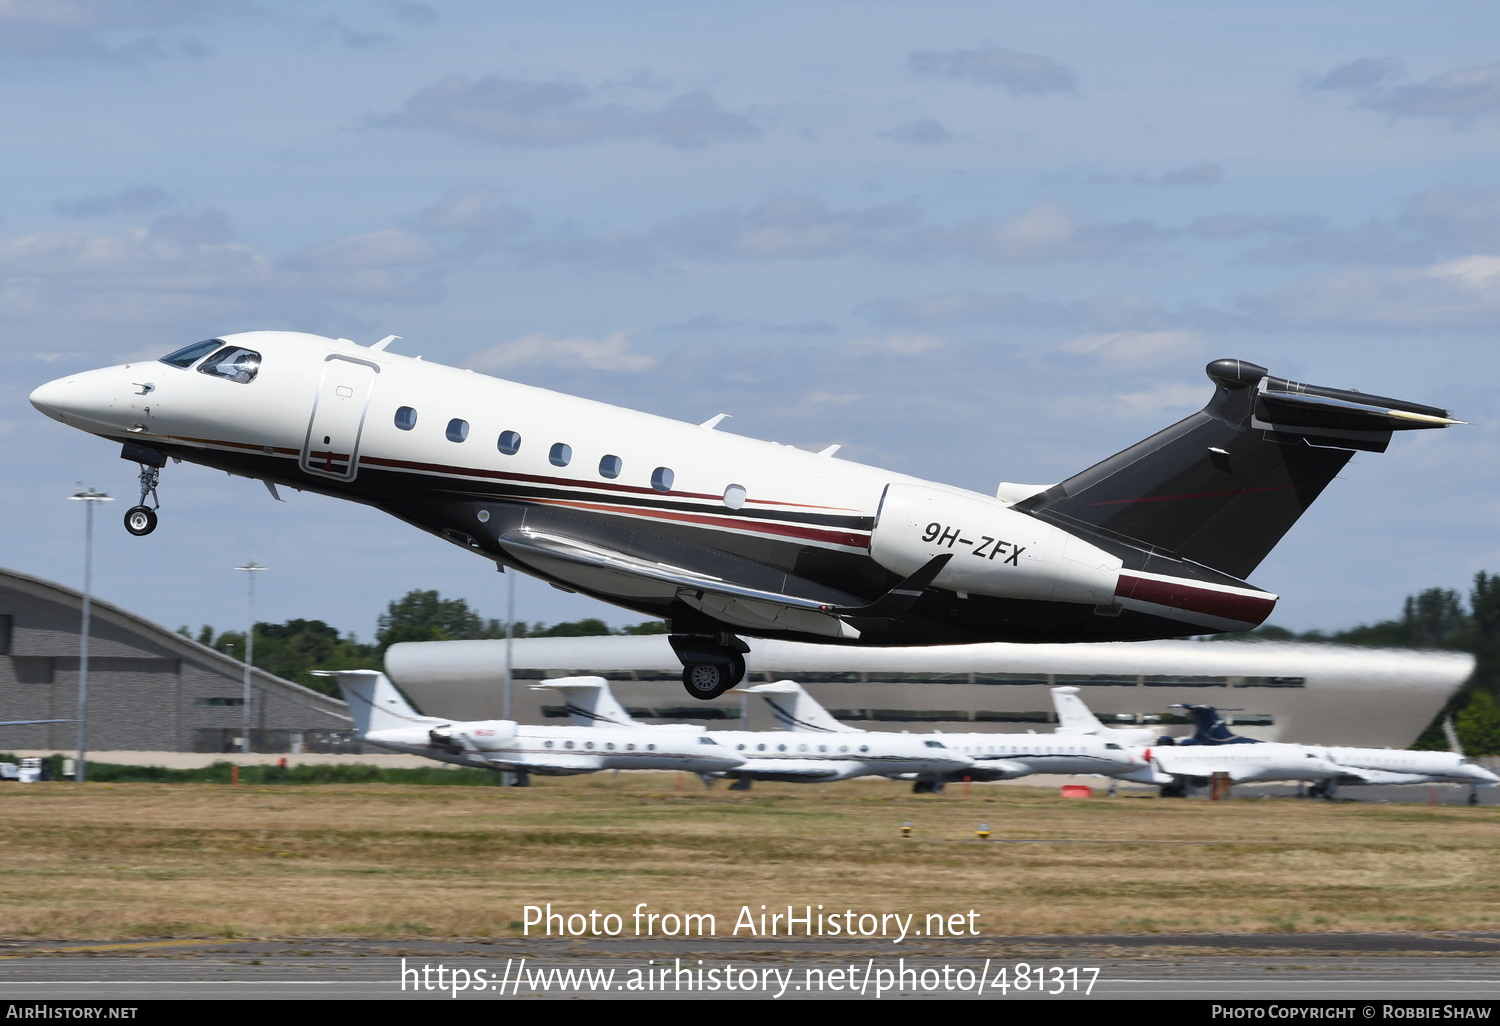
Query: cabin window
[(561, 454), (458, 430), (661, 479), (235, 364), (610, 466), (188, 355), (734, 496), (546, 744), (509, 442), (567, 744), (406, 418), (589, 745)]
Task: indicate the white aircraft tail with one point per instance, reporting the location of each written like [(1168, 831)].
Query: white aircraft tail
[(1073, 717), (795, 709), (590, 702), (374, 701)]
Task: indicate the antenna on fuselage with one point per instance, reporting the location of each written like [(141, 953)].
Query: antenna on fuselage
[(713, 422), (378, 346)]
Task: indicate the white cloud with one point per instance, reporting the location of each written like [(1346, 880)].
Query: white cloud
[(1138, 346), (899, 343), (1160, 401), (518, 112), (1048, 231), (388, 247), (1462, 293), (1021, 74), (611, 353)]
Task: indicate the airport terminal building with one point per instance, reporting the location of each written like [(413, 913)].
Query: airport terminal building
[(1315, 694), (150, 689)]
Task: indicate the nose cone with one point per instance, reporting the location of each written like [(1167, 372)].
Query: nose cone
[(52, 397), (95, 400)]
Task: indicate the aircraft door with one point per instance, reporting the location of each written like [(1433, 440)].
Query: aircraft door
[(331, 448)]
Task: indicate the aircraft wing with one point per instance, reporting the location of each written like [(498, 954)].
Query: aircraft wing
[(801, 605), (1360, 775), (798, 770)]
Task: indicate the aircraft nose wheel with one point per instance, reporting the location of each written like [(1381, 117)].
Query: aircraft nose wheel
[(140, 520), (710, 680)]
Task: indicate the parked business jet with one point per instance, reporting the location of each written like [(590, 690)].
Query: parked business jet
[(1358, 765), (723, 535), (383, 717), (996, 756), (769, 756)]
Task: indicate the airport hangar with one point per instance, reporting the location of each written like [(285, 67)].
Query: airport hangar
[(1309, 693), (150, 689)]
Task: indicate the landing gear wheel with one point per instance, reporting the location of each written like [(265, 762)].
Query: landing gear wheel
[(140, 520), (710, 680)]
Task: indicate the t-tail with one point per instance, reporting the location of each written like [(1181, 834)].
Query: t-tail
[(795, 709), (1209, 728), (1207, 498), (590, 702), (374, 701), (1073, 716)]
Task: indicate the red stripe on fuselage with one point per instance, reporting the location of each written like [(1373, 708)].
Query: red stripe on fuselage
[(856, 541), (1180, 594)]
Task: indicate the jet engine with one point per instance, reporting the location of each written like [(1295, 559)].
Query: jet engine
[(996, 550), (480, 736)]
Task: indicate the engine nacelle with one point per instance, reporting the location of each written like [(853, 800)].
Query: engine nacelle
[(996, 551), (487, 735)]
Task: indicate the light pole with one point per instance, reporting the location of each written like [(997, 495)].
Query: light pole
[(249, 569), (510, 639), (88, 497)]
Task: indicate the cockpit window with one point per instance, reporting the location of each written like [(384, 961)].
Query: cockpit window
[(233, 363), (188, 355), (934, 744)]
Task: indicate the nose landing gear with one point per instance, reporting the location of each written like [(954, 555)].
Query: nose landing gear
[(141, 519)]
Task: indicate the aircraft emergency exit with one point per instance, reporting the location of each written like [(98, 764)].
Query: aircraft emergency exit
[(723, 536)]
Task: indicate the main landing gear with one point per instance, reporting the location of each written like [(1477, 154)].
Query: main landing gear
[(141, 519), (711, 664)]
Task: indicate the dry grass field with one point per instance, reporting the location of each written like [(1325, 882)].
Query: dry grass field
[(108, 861)]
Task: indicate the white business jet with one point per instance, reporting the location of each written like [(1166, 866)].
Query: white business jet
[(772, 756), (995, 756), (723, 536), (1356, 765), (383, 718)]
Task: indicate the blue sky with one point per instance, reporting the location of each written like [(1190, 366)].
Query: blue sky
[(971, 241)]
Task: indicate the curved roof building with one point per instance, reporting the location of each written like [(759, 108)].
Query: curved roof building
[(1316, 694)]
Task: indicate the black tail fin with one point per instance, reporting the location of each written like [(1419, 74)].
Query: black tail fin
[(1209, 728), (1221, 487)]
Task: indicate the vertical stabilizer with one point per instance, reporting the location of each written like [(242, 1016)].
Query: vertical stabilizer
[(590, 702), (1073, 717), (1209, 728), (374, 701), (795, 709)]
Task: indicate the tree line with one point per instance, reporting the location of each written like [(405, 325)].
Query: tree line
[(292, 650)]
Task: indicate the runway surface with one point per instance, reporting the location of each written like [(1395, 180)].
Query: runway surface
[(1355, 968)]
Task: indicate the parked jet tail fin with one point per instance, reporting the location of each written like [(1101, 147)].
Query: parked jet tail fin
[(1209, 728), (374, 701), (795, 709), (590, 702), (1073, 716), (1223, 486)]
